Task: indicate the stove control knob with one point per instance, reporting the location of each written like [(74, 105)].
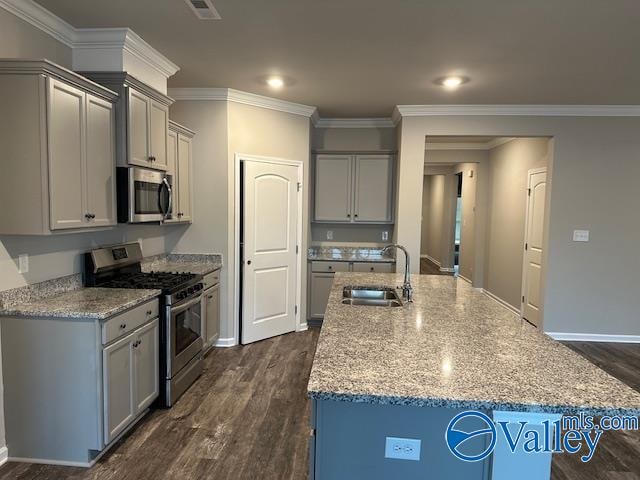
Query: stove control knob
[(191, 290), (181, 295)]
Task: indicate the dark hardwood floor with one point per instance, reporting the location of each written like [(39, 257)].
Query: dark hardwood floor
[(427, 267), (247, 418)]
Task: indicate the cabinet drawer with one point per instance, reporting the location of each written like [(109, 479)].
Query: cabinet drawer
[(118, 326), (329, 267), (211, 279), (374, 267)]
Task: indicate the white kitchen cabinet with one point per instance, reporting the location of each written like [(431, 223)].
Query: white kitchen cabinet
[(180, 160), (353, 189), (142, 121), (58, 150), (131, 378), (211, 309)]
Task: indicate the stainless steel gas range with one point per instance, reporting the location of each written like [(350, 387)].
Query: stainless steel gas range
[(181, 340)]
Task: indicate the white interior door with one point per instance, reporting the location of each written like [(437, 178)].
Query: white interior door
[(270, 259), (532, 272)]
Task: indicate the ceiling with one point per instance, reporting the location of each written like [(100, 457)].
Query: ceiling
[(359, 58), (459, 139)]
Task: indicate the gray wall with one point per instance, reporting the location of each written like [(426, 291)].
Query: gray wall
[(593, 174), (222, 131), (18, 39), (508, 169)]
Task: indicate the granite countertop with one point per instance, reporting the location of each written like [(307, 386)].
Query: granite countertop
[(453, 347), (350, 254), (201, 264), (95, 303)]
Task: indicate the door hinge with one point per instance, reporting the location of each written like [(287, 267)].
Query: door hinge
[(528, 191), (297, 249), (523, 299), (299, 186), (526, 246), (296, 309)]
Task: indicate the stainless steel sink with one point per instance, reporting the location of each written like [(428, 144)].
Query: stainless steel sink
[(371, 296)]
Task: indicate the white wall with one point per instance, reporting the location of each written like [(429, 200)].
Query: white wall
[(593, 174)]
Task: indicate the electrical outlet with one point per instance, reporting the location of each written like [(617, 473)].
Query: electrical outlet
[(329, 234), (385, 236), (581, 235), (402, 448), (23, 263)]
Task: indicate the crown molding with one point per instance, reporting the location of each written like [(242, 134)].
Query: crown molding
[(124, 39), (517, 110), (41, 18), (246, 98), (354, 123), (496, 142)]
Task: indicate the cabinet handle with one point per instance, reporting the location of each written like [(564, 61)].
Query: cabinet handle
[(330, 267), (356, 215), (210, 297), (372, 269), (123, 326), (149, 312), (348, 215)]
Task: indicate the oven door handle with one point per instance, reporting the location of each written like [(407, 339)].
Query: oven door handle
[(186, 306), (167, 185)]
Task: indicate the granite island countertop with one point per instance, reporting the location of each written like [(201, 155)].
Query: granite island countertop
[(453, 347), (350, 254), (90, 303), (200, 264)]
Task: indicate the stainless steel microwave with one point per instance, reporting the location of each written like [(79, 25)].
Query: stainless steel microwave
[(144, 195)]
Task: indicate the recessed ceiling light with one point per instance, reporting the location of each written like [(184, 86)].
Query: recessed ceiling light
[(452, 82), (275, 82)]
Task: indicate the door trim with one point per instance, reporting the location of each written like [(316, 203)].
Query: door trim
[(523, 289), (238, 159)]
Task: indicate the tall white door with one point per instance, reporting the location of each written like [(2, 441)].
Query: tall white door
[(270, 257), (532, 272)]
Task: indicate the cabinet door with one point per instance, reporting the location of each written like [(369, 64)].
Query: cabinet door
[(66, 138), (320, 288), (147, 368), (373, 188), (138, 129), (184, 178), (212, 315), (158, 129), (333, 188), (118, 377), (100, 162), (172, 153)]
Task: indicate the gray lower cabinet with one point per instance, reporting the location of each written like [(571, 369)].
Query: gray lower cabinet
[(131, 378), (321, 273), (58, 149), (211, 309), (72, 386)]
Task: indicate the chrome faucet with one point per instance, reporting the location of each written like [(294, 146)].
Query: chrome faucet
[(407, 289)]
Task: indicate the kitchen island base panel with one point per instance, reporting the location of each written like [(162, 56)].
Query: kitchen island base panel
[(507, 465), (350, 440)]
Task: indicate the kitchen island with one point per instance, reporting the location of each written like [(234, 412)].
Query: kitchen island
[(405, 372)]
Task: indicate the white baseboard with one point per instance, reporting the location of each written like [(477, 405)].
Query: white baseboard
[(302, 327), (593, 337), (447, 270), (501, 301), (462, 277), (4, 455), (226, 342), (431, 259)]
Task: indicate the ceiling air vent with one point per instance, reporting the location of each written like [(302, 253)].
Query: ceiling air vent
[(204, 9)]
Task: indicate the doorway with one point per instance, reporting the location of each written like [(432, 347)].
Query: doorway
[(269, 233)]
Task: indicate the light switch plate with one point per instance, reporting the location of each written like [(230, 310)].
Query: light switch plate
[(23, 263), (581, 235), (402, 448), (385, 236), (329, 234)]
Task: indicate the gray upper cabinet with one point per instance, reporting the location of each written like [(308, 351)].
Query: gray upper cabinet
[(142, 120), (354, 189), (333, 185), (179, 165), (58, 148)]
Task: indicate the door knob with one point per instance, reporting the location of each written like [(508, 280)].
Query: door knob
[(248, 262)]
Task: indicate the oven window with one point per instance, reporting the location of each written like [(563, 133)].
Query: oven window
[(147, 198), (187, 325)]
